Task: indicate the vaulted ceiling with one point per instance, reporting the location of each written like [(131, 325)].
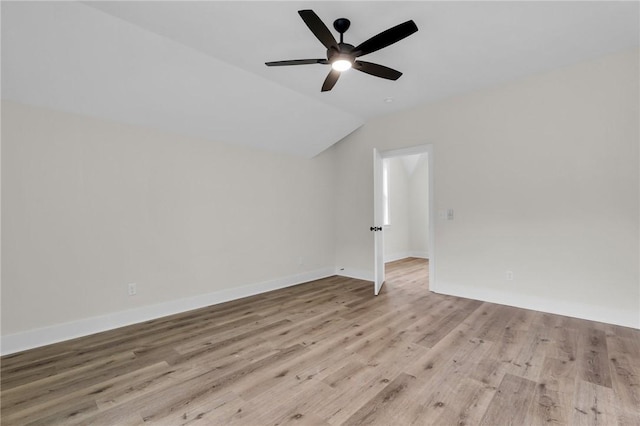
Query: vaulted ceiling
[(197, 68)]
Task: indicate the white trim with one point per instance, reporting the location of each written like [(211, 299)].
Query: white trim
[(359, 274), (420, 254), (401, 152), (421, 149), (403, 255), (57, 333), (628, 318), (431, 243), (44, 336)]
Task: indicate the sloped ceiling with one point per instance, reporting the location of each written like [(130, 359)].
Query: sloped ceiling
[(197, 68)]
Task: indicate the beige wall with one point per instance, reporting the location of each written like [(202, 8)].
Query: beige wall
[(542, 174), (543, 177), (90, 206)]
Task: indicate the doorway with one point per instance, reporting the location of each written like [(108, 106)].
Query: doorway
[(404, 239)]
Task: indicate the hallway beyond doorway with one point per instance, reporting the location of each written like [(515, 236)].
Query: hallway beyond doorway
[(410, 270)]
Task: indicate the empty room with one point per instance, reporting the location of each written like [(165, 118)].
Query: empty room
[(320, 213)]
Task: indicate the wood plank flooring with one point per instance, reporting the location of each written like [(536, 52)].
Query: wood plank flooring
[(330, 353)]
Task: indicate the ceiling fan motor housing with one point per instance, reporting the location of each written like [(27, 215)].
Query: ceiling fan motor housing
[(341, 25), (343, 52)]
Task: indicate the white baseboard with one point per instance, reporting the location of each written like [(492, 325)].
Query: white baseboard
[(420, 254), (44, 336), (403, 255), (359, 274), (57, 333), (392, 257), (624, 318)]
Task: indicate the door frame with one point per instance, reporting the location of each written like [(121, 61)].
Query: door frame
[(418, 149)]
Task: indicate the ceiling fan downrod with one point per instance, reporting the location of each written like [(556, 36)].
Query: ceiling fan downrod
[(341, 25)]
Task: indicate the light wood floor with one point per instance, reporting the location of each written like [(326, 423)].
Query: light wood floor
[(329, 352)]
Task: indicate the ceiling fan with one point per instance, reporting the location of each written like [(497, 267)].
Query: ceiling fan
[(342, 56)]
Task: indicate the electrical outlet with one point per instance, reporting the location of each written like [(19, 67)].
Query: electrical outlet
[(133, 289), (508, 275)]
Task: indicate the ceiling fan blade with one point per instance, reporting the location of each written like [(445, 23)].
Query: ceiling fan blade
[(385, 38), (377, 70), (318, 28), (296, 62), (330, 81)]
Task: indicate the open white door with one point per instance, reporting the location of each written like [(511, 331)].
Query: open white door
[(379, 211), (378, 215)]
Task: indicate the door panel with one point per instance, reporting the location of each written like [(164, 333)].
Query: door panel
[(378, 212)]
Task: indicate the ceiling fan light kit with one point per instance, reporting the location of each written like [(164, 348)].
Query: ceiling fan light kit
[(342, 56), (341, 64)]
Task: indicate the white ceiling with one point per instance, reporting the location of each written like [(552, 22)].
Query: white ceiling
[(197, 68)]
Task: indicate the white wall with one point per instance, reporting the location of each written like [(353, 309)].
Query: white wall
[(397, 234), (542, 174), (408, 233), (543, 177), (419, 208), (90, 206)]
